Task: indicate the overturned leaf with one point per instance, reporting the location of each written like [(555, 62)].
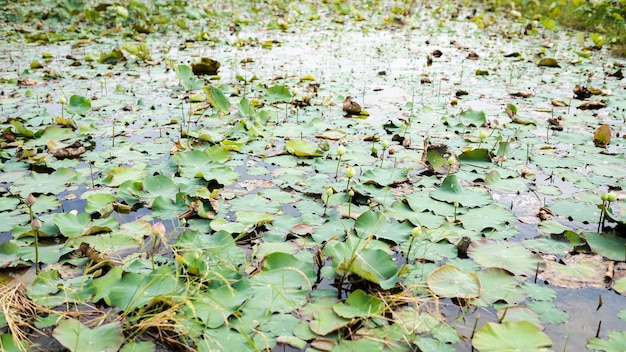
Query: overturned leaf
[(602, 136), (302, 148), (437, 158), (592, 105), (548, 62), (206, 66), (351, 107)]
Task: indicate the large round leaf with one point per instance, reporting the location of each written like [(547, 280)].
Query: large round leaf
[(76, 337), (450, 281), (451, 191), (506, 255), (511, 336)]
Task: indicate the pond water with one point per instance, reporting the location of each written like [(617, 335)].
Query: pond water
[(410, 79)]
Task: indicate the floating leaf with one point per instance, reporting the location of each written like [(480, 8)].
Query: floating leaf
[(512, 185), (499, 284), (206, 66), (78, 105), (278, 94), (187, 79), (217, 99), (576, 271), (451, 191), (76, 337), (506, 255), (510, 336), (302, 148), (616, 341), (359, 304), (450, 281), (602, 136), (548, 62), (609, 245)]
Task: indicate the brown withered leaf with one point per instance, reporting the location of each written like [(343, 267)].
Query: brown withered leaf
[(602, 136), (351, 107), (592, 105), (581, 92), (71, 151), (522, 94)]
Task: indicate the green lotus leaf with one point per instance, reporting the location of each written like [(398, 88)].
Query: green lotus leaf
[(281, 289), (548, 312), (135, 290), (450, 281), (39, 183), (491, 216), (378, 225), (72, 225), (187, 79), (359, 304), (512, 185), (615, 342), (498, 284), (78, 105), (160, 185), (384, 176), (519, 313), (302, 148), (104, 284), (9, 344), (216, 97), (8, 255), (451, 191), (324, 319), (120, 174), (511, 336), (99, 202), (143, 346), (506, 255), (76, 337), (215, 306), (374, 265), (278, 94), (47, 254), (609, 245)]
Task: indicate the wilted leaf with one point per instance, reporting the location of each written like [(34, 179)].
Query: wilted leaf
[(602, 136)]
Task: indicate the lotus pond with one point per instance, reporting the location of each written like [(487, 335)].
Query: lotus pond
[(320, 175)]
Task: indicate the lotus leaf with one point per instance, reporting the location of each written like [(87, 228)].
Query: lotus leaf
[(451, 191), (450, 281), (506, 255), (135, 290), (76, 337), (616, 341), (359, 304), (511, 336), (302, 148)]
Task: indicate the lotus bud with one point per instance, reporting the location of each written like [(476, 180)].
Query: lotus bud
[(483, 134), (456, 204), (611, 197), (350, 172), (351, 193), (385, 144), (604, 197), (63, 101), (158, 229), (35, 224), (341, 150), (30, 200), (416, 232), (328, 191), (451, 160)]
